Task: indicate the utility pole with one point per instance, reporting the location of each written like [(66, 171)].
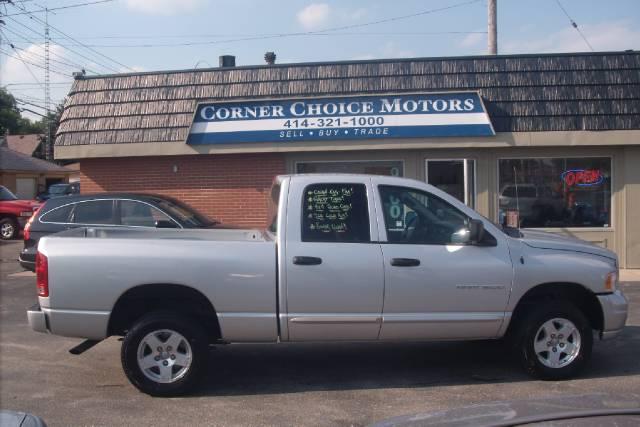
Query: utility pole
[(47, 87), (493, 27)]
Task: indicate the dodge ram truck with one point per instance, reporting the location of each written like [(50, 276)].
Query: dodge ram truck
[(345, 257)]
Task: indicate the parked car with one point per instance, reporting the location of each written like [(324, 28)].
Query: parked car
[(14, 213), (107, 209), (346, 258), (59, 190)]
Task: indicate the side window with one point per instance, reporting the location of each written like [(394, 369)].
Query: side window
[(140, 214), (335, 213), (416, 217), (95, 212), (60, 214)]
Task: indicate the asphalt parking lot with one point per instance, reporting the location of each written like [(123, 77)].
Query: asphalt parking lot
[(311, 384)]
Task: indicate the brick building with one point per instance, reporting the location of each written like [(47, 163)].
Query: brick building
[(564, 129)]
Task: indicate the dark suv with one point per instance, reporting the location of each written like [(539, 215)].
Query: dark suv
[(107, 210)]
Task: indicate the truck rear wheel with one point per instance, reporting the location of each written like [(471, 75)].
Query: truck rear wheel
[(554, 341), (164, 354)]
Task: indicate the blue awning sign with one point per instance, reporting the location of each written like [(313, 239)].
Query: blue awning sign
[(450, 114)]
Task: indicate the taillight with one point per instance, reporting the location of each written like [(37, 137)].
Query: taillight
[(26, 233), (42, 275)]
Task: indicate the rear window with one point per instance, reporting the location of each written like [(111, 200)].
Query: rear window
[(335, 213), (59, 214)]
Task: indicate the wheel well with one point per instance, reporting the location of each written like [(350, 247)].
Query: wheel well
[(10, 216), (585, 300), (144, 299)]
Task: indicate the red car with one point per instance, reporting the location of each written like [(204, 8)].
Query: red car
[(14, 213)]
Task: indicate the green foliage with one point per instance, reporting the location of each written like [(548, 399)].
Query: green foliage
[(11, 120)]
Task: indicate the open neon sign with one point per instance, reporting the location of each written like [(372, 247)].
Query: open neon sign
[(582, 177)]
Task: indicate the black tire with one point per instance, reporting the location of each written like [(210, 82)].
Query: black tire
[(153, 323), (528, 333), (9, 227)]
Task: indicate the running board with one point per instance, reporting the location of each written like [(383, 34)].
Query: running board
[(83, 346)]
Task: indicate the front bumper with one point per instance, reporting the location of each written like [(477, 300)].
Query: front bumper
[(37, 319), (614, 309)]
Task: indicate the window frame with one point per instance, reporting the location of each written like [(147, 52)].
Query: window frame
[(612, 207), (116, 211), (428, 194), (368, 200), (474, 191)]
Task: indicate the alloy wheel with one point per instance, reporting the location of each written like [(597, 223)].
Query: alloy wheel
[(164, 356), (557, 343)]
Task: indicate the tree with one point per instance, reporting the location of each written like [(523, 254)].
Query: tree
[(11, 120)]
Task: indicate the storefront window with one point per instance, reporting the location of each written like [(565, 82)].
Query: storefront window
[(389, 168), (555, 192)]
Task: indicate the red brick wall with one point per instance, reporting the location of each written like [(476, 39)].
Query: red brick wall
[(232, 188)]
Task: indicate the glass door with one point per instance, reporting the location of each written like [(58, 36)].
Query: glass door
[(456, 177)]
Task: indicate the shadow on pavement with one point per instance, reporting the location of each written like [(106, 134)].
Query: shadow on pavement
[(288, 368)]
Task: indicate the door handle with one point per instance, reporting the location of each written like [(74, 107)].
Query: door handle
[(405, 262), (307, 260)]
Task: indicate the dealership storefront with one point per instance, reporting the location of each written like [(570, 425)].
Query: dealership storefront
[(547, 141)]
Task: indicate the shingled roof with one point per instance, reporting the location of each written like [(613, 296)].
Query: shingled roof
[(550, 92)]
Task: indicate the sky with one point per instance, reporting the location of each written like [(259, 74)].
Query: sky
[(113, 36)]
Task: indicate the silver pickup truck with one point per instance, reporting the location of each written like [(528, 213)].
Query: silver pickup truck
[(346, 257)]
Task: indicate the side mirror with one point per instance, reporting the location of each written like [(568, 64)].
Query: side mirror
[(476, 231), (163, 223)]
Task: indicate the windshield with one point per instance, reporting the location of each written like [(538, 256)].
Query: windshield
[(58, 189), (5, 194), (188, 216)]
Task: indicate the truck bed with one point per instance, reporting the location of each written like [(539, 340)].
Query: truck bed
[(91, 268)]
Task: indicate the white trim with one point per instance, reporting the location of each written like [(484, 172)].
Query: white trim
[(612, 207)]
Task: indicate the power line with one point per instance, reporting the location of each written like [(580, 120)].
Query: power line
[(33, 43), (73, 66), (35, 84), (574, 25), (22, 60), (322, 32), (21, 101), (262, 36), (22, 36), (361, 33), (31, 63), (61, 7), (76, 41)]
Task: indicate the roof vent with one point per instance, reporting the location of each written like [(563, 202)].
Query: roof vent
[(270, 58), (227, 61)]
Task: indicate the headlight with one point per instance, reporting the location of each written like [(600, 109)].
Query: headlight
[(611, 281), (26, 213)]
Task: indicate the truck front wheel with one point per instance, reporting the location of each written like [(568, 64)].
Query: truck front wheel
[(164, 354), (554, 341)]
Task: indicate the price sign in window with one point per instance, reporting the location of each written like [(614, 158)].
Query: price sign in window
[(335, 213)]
